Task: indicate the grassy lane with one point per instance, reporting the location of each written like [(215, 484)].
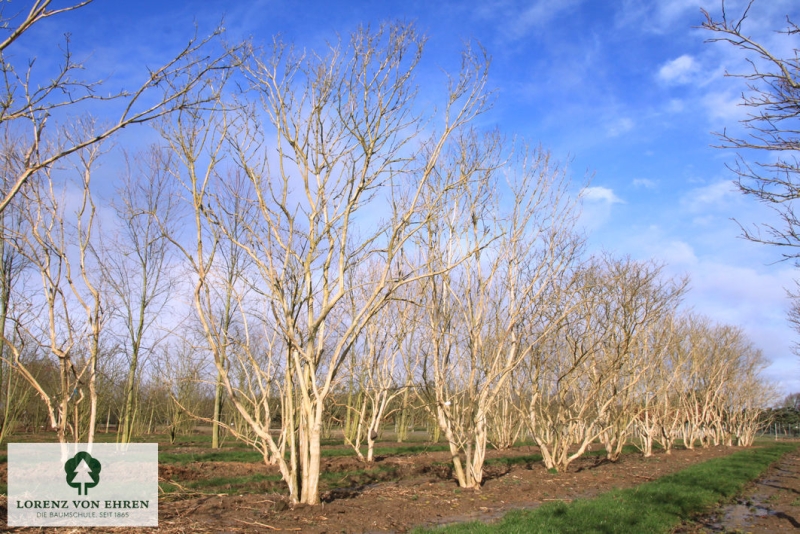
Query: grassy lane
[(657, 506), (252, 455)]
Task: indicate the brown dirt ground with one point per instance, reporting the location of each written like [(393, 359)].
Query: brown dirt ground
[(425, 494)]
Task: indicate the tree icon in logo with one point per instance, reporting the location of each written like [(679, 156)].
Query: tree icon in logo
[(82, 470)]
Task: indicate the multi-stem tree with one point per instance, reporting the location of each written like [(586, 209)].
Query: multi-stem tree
[(584, 378), (58, 244), (485, 316), (746, 396), (560, 408), (637, 302), (706, 371), (341, 174), (659, 415)]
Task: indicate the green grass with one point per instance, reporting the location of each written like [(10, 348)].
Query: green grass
[(626, 449), (527, 459), (657, 506), (384, 451), (219, 455), (250, 455)]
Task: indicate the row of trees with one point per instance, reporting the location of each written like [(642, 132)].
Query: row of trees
[(321, 230)]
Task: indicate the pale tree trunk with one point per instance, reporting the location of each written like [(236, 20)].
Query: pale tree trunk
[(50, 244), (402, 428), (340, 155), (13, 398), (215, 427), (479, 315)]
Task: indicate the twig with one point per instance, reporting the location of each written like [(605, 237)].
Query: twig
[(256, 523)]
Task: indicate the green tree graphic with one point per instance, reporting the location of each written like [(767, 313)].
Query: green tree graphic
[(84, 470)]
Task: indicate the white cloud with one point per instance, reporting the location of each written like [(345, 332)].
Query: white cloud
[(519, 17), (678, 70), (597, 207), (600, 194), (710, 197), (619, 127), (539, 13), (676, 105), (724, 107), (645, 182), (677, 254), (754, 299)]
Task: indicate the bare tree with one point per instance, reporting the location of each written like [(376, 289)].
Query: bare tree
[(375, 368), (659, 416), (773, 95), (637, 303), (747, 395), (338, 185), (486, 315), (505, 423), (137, 265), (55, 239), (28, 99), (181, 389), (12, 265), (565, 375), (584, 378)]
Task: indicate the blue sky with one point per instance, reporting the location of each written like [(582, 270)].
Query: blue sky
[(625, 90)]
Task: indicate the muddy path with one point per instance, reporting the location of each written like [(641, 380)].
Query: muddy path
[(770, 504)]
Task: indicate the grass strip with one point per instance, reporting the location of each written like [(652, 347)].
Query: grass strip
[(222, 455), (251, 455), (657, 506), (344, 452)]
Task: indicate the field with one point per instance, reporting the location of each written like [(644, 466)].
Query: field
[(410, 485)]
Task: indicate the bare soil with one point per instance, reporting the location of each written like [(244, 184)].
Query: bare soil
[(417, 490)]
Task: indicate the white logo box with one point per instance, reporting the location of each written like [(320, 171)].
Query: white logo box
[(102, 484)]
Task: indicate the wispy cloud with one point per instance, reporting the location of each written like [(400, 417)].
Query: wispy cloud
[(600, 194), (679, 70), (645, 183), (677, 253), (619, 127), (725, 107), (541, 12), (518, 18), (712, 197), (658, 16)]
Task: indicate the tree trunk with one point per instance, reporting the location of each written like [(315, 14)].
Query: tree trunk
[(217, 413)]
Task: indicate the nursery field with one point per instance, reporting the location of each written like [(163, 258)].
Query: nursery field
[(410, 485)]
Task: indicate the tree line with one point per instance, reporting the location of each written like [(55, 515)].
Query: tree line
[(310, 242)]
